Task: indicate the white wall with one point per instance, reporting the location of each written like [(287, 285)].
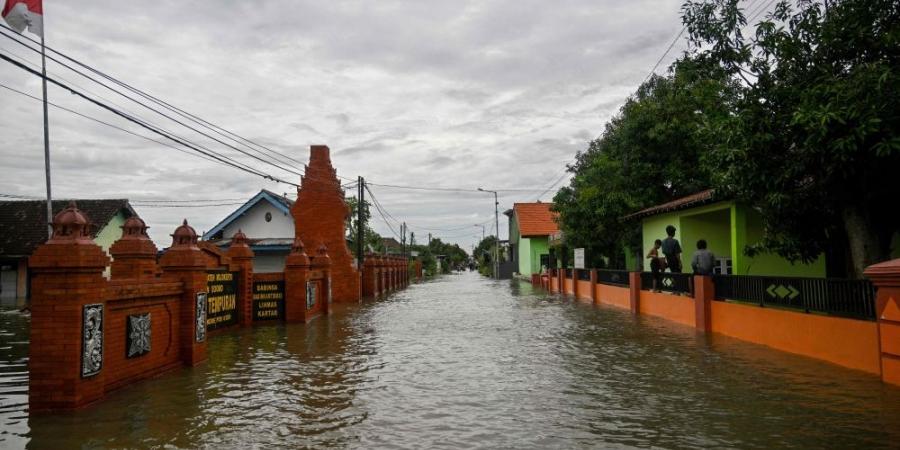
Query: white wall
[(267, 263), (254, 225)]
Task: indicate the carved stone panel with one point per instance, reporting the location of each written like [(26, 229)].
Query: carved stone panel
[(137, 338), (91, 339), (200, 318)]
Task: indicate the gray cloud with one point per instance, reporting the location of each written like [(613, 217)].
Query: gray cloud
[(499, 94)]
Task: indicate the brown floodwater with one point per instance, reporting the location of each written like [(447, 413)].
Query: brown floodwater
[(467, 362)]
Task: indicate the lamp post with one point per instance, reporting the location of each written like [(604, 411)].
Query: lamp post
[(482, 229), (497, 241)]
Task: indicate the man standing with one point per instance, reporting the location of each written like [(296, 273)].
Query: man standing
[(703, 260), (671, 248)]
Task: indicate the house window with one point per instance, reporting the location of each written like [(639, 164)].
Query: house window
[(268, 217), (722, 267)]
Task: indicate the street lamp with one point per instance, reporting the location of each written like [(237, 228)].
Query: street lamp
[(497, 241)]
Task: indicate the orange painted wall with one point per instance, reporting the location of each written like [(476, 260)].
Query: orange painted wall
[(846, 342), (554, 282), (613, 295), (568, 286), (584, 290), (676, 308)]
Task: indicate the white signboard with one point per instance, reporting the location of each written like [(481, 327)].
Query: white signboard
[(579, 258)]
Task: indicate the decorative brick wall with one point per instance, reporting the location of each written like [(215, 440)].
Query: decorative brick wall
[(319, 218)]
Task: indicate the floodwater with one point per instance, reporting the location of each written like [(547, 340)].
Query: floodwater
[(467, 362)]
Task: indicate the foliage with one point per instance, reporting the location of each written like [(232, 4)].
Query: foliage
[(649, 153), (372, 239), (813, 138), (454, 257)]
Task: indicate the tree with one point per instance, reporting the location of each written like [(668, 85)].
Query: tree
[(813, 138), (649, 153), (371, 238)]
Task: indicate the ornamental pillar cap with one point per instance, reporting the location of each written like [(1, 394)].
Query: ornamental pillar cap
[(322, 258), (71, 226), (239, 239), (184, 236), (135, 229)]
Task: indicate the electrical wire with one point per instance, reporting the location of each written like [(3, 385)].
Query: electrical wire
[(164, 134)]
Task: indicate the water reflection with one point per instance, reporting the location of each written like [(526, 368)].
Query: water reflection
[(468, 362)]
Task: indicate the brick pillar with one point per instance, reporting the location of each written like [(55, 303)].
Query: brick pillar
[(594, 285), (369, 283), (634, 284), (392, 274), (134, 255), (418, 269), (704, 294), (67, 277), (886, 277), (242, 261), (575, 273), (184, 262), (322, 262), (296, 274), (561, 280)]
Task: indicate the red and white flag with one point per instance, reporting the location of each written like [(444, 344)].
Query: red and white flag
[(21, 14)]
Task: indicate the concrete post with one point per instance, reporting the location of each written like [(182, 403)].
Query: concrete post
[(242, 259), (296, 274), (886, 278), (65, 367), (184, 262), (593, 285), (634, 284), (704, 294)]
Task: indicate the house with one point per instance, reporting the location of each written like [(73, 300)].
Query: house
[(266, 220), (391, 246), (23, 226), (727, 226), (530, 228)]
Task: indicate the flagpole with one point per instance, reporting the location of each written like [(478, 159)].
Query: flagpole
[(46, 138)]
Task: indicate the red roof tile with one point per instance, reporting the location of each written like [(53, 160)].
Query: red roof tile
[(535, 219), (697, 199)]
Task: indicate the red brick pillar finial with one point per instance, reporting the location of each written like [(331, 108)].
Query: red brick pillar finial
[(296, 274), (242, 257), (134, 254), (184, 261), (67, 316)]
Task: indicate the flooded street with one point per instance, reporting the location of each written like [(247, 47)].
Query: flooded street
[(463, 362)]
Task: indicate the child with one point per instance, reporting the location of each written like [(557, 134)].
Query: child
[(657, 264)]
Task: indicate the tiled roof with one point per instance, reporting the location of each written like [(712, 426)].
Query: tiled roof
[(535, 219), (700, 198), (390, 243), (23, 223)]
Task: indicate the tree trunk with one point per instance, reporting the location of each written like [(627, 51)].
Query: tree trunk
[(866, 247)]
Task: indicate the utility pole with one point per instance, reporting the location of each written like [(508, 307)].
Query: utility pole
[(403, 239), (497, 240), (360, 225)]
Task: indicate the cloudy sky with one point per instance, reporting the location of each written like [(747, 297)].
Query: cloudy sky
[(461, 94)]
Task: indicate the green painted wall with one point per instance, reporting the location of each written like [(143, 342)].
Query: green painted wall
[(539, 246), (727, 228), (525, 256)]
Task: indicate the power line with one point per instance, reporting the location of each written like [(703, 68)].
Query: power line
[(15, 38), (164, 134)]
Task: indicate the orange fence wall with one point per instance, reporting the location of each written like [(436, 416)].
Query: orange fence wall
[(676, 308), (847, 342), (568, 286), (554, 283), (584, 290), (613, 295)]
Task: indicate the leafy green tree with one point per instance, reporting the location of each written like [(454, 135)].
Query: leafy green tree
[(371, 238), (649, 153), (813, 138)]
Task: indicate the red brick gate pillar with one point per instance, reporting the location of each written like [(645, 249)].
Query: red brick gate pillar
[(184, 262), (369, 282), (322, 263), (594, 285), (886, 277), (296, 274), (418, 269), (242, 258), (634, 284), (134, 254), (67, 311)]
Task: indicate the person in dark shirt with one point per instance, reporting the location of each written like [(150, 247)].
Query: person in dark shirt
[(704, 260), (671, 248)]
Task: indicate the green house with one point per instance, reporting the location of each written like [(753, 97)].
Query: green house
[(530, 227), (727, 227)]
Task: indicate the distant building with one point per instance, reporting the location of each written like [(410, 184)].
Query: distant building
[(23, 226), (266, 220), (391, 246), (530, 228)]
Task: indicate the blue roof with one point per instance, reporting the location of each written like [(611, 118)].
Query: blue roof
[(283, 205)]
